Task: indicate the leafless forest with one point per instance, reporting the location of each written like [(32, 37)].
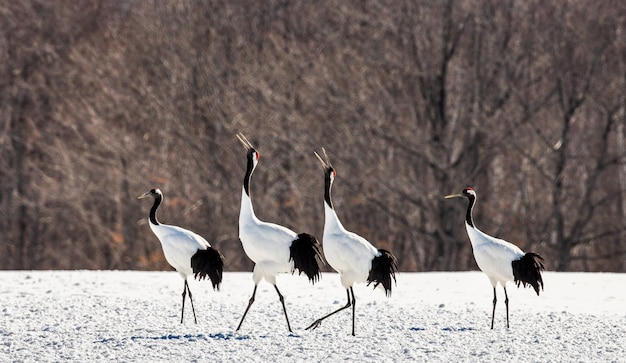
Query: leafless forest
[(413, 100)]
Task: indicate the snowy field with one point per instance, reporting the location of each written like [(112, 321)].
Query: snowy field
[(86, 316)]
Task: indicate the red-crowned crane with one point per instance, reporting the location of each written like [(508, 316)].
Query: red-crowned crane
[(185, 251), (352, 256), (272, 248), (500, 260)]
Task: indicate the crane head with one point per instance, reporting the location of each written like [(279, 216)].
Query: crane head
[(328, 167), (252, 152), (151, 193), (467, 193)]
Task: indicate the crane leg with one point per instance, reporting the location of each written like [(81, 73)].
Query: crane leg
[(191, 300), (282, 301), (353, 309), (317, 322), (506, 302), (493, 312), (182, 312), (248, 308)]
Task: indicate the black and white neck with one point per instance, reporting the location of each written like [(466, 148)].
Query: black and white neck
[(157, 202), (332, 222), (158, 198), (470, 194), (329, 177), (246, 213), (253, 159)]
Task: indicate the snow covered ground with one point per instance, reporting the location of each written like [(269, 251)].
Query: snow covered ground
[(134, 316)]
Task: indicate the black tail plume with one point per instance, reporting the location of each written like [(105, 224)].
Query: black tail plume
[(527, 271), (209, 263), (384, 268), (306, 256)]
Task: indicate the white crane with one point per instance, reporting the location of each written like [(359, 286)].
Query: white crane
[(273, 248), (185, 251), (500, 260), (352, 256)]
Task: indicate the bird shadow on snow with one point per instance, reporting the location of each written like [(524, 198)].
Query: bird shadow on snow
[(186, 337), (447, 329), (463, 328), (178, 337)]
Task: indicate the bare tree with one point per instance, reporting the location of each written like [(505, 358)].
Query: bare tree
[(413, 100)]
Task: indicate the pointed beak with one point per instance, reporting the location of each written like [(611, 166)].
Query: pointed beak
[(144, 195), (325, 163), (244, 141), (454, 196)]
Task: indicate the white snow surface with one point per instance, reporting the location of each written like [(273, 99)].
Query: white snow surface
[(131, 316)]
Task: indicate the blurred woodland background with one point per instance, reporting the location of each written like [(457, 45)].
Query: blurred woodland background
[(413, 100)]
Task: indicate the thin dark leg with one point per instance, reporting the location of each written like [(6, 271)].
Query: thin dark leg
[(182, 312), (248, 308), (282, 301), (191, 299), (317, 322), (493, 313), (353, 309), (506, 302)]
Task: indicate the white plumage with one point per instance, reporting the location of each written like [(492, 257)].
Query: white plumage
[(348, 253), (273, 248), (185, 251), (178, 246), (352, 256), (493, 255), (267, 244), (500, 260)]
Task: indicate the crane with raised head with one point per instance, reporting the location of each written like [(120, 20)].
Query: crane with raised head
[(352, 256), (273, 248)]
